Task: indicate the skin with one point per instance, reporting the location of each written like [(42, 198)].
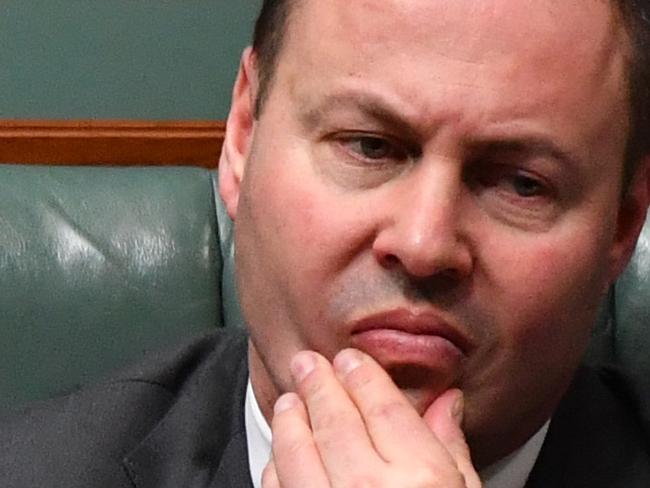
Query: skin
[(443, 160), (349, 440)]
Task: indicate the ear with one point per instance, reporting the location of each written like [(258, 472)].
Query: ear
[(631, 217), (239, 132)]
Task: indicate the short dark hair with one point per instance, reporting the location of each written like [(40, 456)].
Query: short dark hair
[(268, 37), (271, 28)]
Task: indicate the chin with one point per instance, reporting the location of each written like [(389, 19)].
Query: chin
[(421, 400), (419, 385)]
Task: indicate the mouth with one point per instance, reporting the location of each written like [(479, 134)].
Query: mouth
[(402, 337)]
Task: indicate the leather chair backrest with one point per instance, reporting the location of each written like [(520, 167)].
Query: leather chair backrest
[(629, 331), (98, 266)]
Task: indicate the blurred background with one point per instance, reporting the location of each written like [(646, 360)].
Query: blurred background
[(120, 59)]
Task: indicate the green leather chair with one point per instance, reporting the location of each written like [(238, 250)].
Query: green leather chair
[(628, 334), (99, 266)]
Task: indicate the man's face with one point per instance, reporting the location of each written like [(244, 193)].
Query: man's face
[(436, 183)]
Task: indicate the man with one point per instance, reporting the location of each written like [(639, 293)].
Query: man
[(430, 200)]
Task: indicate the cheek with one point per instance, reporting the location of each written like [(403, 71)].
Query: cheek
[(304, 231), (549, 288), (541, 295), (316, 228)]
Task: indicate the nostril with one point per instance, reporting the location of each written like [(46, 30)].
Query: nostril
[(389, 261)]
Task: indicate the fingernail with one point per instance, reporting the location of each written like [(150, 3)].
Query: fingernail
[(302, 364), (458, 409), (347, 361), (285, 402)]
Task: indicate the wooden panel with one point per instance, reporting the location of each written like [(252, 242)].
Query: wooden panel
[(118, 142)]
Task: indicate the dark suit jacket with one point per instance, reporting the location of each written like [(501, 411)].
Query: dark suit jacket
[(179, 422)]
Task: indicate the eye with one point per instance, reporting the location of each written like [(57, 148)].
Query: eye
[(526, 187), (373, 148), (522, 195), (515, 182)]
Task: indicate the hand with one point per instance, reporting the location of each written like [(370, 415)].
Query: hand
[(350, 426)]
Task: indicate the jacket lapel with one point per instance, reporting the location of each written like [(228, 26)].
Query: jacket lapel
[(234, 470), (595, 439), (201, 441)]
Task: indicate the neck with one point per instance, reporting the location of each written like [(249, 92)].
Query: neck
[(265, 389)]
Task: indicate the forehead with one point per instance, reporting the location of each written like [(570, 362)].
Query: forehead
[(489, 58), (553, 33), (458, 20)]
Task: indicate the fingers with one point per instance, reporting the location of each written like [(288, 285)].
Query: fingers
[(337, 426), (445, 417), (387, 413), (296, 461), (352, 425)]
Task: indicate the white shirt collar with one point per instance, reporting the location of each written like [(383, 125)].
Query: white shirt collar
[(258, 437), (510, 472)]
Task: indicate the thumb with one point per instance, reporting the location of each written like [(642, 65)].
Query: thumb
[(444, 417)]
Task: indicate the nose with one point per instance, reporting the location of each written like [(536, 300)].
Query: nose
[(424, 234)]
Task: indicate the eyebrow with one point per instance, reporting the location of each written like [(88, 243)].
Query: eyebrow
[(539, 146), (366, 104)]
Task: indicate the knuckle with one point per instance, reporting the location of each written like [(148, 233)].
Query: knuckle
[(292, 448), (364, 480), (330, 421), (385, 410), (334, 434)]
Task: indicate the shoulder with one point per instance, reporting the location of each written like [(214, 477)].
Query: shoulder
[(596, 437), (89, 432), (600, 406)]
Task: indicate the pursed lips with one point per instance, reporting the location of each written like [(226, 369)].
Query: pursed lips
[(403, 323)]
